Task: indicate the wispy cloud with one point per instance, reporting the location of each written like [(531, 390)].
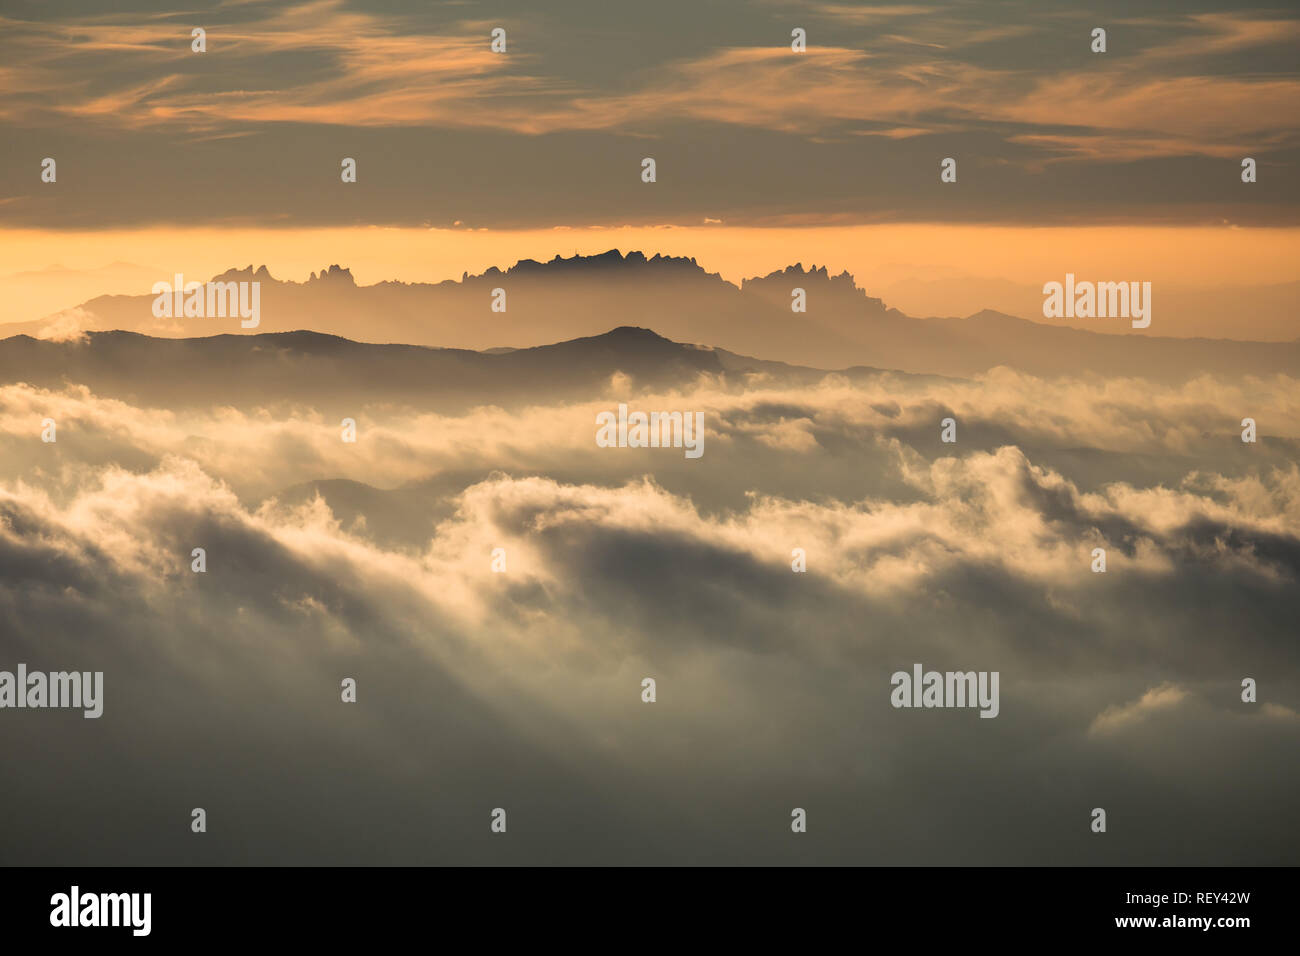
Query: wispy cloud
[(316, 62), (321, 62), (1120, 716)]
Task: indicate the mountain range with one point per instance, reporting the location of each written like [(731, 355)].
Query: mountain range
[(335, 374), (585, 296)]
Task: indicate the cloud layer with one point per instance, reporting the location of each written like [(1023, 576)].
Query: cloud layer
[(1046, 130), (522, 689)]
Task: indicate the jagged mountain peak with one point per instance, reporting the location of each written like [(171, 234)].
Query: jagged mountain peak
[(260, 274), (334, 273)]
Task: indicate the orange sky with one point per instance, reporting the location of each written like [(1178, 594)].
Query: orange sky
[(1181, 258), (767, 155)]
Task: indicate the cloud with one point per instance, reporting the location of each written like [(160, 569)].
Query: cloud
[(1116, 114), (522, 689), (1117, 717), (365, 69), (70, 325)]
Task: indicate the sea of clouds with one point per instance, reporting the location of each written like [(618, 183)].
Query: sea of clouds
[(522, 689)]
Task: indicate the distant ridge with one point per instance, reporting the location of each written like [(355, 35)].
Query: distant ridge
[(334, 374), (565, 299)]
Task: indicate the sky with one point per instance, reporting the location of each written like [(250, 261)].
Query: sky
[(764, 156)]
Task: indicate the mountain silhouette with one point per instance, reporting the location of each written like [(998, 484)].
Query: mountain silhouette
[(582, 296), (335, 374)]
